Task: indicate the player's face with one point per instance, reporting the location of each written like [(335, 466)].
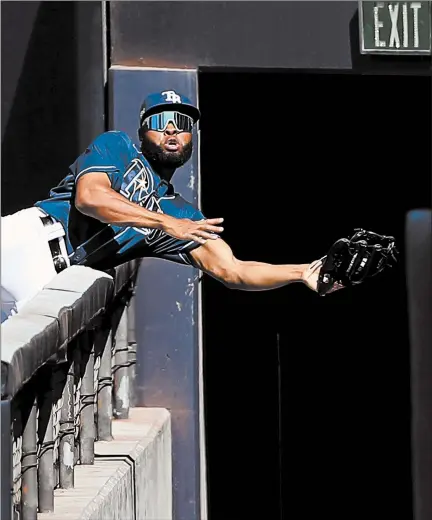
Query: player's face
[(170, 140), (169, 148)]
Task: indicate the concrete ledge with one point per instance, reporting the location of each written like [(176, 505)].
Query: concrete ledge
[(131, 478)]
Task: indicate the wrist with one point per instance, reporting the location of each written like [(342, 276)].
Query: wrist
[(303, 268), (157, 220), (161, 221)]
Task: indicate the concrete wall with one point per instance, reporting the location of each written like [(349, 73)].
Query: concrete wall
[(419, 282), (233, 34), (295, 35), (131, 478), (167, 330)]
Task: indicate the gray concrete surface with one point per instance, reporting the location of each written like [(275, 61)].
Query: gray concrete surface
[(131, 478)]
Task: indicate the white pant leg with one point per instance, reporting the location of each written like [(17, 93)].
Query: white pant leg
[(26, 260)]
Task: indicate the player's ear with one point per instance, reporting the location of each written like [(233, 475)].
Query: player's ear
[(140, 133)]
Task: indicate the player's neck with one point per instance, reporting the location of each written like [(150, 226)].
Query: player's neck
[(165, 173)]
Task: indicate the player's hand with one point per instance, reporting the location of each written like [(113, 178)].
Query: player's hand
[(310, 277), (197, 230)]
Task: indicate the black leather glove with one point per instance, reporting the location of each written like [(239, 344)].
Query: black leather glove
[(350, 261)]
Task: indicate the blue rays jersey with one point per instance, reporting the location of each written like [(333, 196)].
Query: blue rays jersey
[(104, 246)]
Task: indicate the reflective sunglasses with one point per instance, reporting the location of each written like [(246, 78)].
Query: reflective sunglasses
[(159, 122)]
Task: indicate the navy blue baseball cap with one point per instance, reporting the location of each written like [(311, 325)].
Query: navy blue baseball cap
[(168, 100)]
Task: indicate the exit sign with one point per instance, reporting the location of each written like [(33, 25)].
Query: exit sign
[(395, 27)]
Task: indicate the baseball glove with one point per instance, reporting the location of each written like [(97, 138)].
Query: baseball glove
[(351, 261)]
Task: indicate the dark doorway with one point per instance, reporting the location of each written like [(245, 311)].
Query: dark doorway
[(294, 162)]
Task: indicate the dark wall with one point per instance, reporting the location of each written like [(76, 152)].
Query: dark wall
[(52, 93), (309, 35), (290, 181), (14, 49)]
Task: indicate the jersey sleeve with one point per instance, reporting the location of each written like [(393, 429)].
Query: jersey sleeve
[(105, 154), (196, 215), (173, 249)]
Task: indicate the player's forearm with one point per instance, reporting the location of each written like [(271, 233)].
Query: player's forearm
[(217, 259), (257, 276), (110, 207)]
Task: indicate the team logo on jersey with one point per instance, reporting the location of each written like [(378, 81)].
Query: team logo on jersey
[(151, 234), (138, 183), (171, 96), (138, 186)]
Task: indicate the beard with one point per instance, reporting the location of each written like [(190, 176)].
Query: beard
[(162, 158)]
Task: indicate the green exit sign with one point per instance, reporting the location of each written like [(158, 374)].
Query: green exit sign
[(395, 27)]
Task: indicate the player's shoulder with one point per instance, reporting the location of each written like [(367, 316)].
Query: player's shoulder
[(114, 138)]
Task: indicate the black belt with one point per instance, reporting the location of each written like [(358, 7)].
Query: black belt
[(59, 260)]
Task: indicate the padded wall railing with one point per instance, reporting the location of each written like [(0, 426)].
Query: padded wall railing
[(68, 365)]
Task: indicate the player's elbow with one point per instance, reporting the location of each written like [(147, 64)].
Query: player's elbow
[(87, 200), (92, 192), (84, 200)]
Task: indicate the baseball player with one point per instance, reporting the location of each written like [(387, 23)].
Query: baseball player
[(117, 203)]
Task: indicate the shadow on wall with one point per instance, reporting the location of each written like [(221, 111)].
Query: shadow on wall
[(39, 138)]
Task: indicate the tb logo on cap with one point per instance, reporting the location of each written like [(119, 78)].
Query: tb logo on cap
[(171, 96)]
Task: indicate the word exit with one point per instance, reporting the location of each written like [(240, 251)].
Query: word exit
[(396, 27)]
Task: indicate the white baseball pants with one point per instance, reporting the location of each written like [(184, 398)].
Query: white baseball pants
[(26, 259)]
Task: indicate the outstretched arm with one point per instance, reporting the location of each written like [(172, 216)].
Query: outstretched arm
[(95, 198), (217, 260)]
